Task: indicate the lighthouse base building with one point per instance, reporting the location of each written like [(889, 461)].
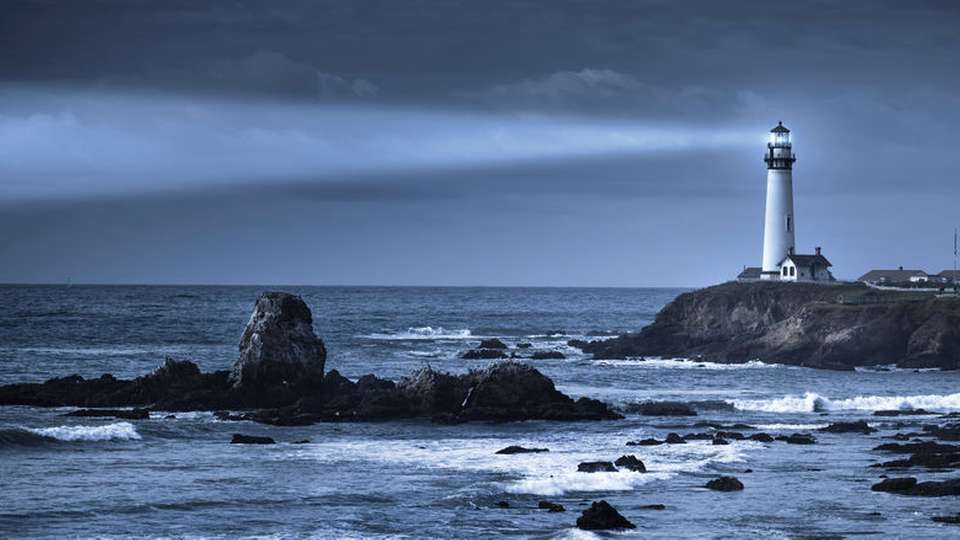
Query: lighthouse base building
[(780, 261)]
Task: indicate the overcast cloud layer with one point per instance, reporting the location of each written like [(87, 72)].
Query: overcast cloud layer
[(528, 143)]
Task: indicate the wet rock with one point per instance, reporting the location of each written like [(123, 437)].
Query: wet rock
[(903, 412), (761, 437), (720, 441), (860, 426), (483, 354), (227, 416), (503, 504), (551, 506), (673, 438), (895, 485), (492, 343), (918, 447), (520, 450), (548, 355), (947, 432), (126, 414), (279, 351), (797, 438), (732, 435), (602, 516), (949, 520), (301, 441), (653, 507), (910, 486), (661, 408), (596, 466), (524, 345), (645, 442), (630, 462), (698, 437), (239, 438), (725, 483)]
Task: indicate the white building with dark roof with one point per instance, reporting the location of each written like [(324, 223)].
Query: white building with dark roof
[(895, 276)]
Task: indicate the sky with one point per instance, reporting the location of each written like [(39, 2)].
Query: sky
[(449, 142)]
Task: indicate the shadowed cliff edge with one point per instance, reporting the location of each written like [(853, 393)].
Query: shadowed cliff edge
[(821, 326), (279, 379)]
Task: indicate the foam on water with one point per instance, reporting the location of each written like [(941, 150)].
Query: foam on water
[(813, 402), (422, 332), (789, 427), (681, 363), (121, 431)]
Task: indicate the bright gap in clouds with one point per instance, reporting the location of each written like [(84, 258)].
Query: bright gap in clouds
[(85, 143)]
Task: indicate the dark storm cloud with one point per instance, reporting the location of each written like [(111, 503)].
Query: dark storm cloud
[(403, 142)]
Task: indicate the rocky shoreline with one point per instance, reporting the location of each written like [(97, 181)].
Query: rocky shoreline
[(279, 379), (820, 326)]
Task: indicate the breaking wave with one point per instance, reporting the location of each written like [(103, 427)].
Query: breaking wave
[(423, 332), (120, 431), (679, 363), (812, 402)]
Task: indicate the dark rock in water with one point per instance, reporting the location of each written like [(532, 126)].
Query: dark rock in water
[(644, 442), (170, 417), (578, 343), (698, 437), (806, 324), (903, 412), (602, 516), (910, 486), (948, 432), (918, 447), (601, 333), (849, 427), (725, 483), (239, 438), (483, 354), (661, 408), (761, 437), (126, 414), (503, 504), (653, 507), (631, 463), (733, 435), (550, 506), (548, 355), (521, 450), (524, 345), (278, 350), (596, 466), (228, 416), (719, 441), (673, 438), (302, 441), (797, 438), (950, 520), (492, 343)]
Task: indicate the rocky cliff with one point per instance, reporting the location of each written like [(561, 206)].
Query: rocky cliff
[(822, 326)]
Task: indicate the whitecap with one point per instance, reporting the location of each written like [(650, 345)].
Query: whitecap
[(682, 363), (813, 402), (789, 427), (422, 332), (121, 431)]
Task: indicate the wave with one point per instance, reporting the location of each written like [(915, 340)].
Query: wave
[(812, 402), (566, 482), (789, 427), (120, 431), (422, 332), (681, 363)]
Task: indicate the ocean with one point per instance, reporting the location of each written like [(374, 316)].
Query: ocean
[(178, 476)]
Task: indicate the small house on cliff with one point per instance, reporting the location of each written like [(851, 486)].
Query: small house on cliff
[(814, 267)]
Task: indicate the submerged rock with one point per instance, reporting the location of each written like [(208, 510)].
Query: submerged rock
[(661, 408), (673, 438), (725, 483), (797, 438), (630, 462), (645, 442), (860, 426), (551, 506), (492, 343), (602, 516), (910, 486), (239, 438), (761, 437), (521, 450), (483, 354), (548, 355), (596, 466), (126, 414), (950, 520)]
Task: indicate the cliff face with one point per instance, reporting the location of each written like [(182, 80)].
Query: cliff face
[(836, 327)]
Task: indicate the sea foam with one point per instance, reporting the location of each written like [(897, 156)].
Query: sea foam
[(423, 332), (120, 431), (675, 363), (812, 402)]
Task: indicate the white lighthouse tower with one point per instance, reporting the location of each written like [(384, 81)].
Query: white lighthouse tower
[(779, 223)]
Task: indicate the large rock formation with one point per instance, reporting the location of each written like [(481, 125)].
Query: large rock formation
[(822, 326), (279, 378), (278, 347)]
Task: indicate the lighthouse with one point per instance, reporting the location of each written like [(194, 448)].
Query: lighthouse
[(779, 222)]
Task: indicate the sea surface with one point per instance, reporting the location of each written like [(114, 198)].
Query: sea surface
[(178, 477)]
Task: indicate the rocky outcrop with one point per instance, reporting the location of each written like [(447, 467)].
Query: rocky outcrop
[(239, 438), (725, 483), (596, 466), (602, 516), (279, 379), (510, 450), (910, 486), (279, 352), (813, 325)]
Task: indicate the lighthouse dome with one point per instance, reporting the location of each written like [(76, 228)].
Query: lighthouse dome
[(779, 129)]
